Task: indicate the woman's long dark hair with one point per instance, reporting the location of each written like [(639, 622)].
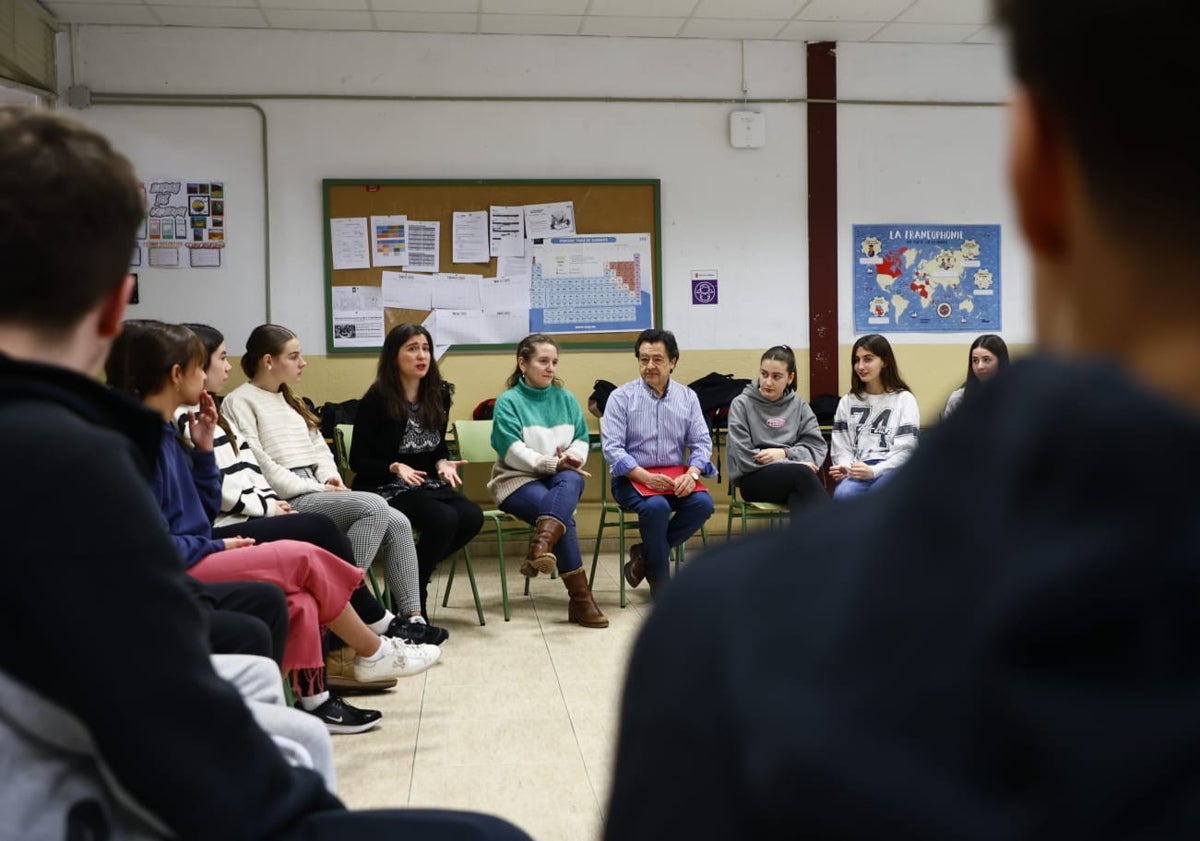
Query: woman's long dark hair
[(432, 392), (989, 342), (142, 356), (212, 338), (889, 376), (270, 339)]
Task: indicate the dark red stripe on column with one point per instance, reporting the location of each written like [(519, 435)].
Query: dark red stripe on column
[(822, 219)]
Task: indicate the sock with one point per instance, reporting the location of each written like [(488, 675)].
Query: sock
[(381, 625), (311, 702), (417, 618), (371, 658)]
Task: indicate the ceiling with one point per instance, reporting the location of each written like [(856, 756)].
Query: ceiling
[(897, 21)]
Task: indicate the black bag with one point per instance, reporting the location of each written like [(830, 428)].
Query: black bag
[(824, 406), (598, 399), (715, 392), (331, 414)]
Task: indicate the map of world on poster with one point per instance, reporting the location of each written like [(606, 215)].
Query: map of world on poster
[(926, 278)]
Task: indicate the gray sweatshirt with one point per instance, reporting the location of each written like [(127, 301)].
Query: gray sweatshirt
[(756, 423)]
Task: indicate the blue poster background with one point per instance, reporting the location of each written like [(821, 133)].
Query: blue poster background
[(914, 278)]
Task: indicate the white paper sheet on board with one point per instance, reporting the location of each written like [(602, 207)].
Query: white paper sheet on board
[(407, 291), (470, 237), (348, 238)]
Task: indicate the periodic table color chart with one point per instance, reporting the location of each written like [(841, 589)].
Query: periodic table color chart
[(593, 287)]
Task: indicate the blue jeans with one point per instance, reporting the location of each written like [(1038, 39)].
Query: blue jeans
[(850, 488), (555, 496), (660, 530)]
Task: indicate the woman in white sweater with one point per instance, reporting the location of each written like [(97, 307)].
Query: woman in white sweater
[(875, 426), (286, 441)]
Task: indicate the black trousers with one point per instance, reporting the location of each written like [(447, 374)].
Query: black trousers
[(245, 617), (783, 482), (446, 520)]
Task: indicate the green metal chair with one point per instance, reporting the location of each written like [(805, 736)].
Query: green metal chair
[(625, 519), (343, 436), (774, 513), (474, 441)]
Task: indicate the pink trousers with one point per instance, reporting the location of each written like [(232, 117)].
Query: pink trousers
[(317, 584)]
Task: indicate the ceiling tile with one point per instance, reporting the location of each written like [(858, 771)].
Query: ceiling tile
[(854, 10), (745, 9), (535, 7), (318, 19), (424, 5), (321, 5), (530, 24), (827, 30), (426, 22), (632, 26), (641, 8), (116, 14), (947, 11), (735, 29), (211, 17), (926, 33)]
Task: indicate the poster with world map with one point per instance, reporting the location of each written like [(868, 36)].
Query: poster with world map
[(926, 278)]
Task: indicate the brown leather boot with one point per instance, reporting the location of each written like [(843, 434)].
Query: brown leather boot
[(635, 570), (540, 558), (582, 608)]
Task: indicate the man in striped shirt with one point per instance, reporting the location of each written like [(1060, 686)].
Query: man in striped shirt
[(649, 423)]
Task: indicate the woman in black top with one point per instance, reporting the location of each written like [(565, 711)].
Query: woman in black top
[(399, 449)]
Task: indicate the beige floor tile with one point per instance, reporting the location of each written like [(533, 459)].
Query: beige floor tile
[(552, 801), (518, 719)]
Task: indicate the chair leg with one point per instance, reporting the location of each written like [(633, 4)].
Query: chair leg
[(596, 553), (621, 556), (450, 582), (474, 589), (503, 577)]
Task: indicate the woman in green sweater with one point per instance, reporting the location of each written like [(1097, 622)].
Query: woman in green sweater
[(541, 443)]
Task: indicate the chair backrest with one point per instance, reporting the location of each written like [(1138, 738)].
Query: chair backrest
[(474, 438), (343, 434)]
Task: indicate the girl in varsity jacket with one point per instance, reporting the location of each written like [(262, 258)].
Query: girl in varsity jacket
[(875, 426)]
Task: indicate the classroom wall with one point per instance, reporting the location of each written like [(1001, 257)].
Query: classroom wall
[(741, 212)]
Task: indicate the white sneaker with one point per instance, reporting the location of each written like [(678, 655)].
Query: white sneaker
[(400, 659)]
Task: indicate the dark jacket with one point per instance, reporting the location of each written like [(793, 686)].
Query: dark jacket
[(1002, 643), (376, 444), (91, 581)]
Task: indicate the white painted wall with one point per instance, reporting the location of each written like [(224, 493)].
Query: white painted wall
[(741, 212)]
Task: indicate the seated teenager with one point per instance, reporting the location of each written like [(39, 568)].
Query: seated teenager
[(251, 508), (163, 365), (286, 440)]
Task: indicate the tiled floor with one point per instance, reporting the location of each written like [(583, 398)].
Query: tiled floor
[(518, 719)]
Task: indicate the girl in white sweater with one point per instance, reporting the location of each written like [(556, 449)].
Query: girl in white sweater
[(286, 441), (875, 426)]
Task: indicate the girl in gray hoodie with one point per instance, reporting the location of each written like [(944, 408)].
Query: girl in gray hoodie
[(774, 444)]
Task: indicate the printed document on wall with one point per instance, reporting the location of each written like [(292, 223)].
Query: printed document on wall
[(424, 246), (470, 237), (407, 291), (516, 266), (456, 291), (508, 231), (348, 242), (357, 316), (548, 220), (389, 240), (592, 284)]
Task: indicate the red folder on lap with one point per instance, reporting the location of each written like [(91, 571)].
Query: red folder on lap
[(672, 470)]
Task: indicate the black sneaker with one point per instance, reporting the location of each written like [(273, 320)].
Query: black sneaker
[(406, 628), (340, 717)]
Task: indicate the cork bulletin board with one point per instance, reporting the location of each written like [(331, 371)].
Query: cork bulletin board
[(615, 206)]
